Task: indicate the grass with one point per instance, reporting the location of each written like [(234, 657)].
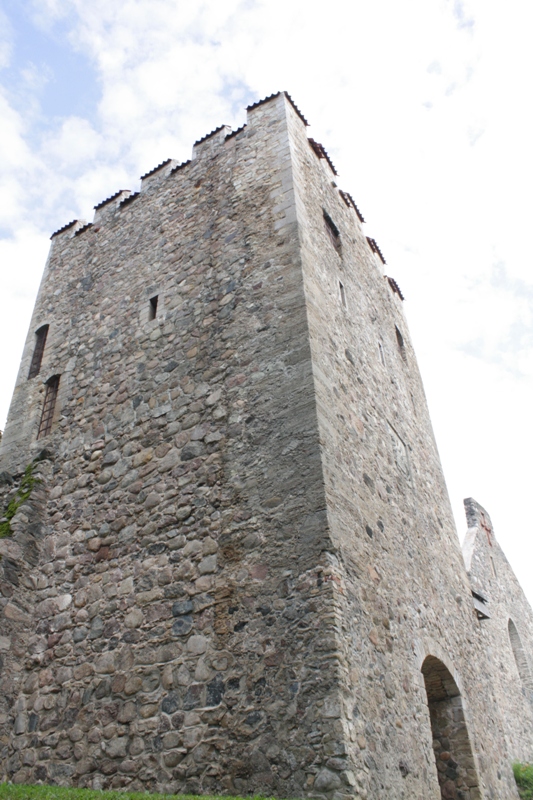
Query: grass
[(12, 791), (523, 774)]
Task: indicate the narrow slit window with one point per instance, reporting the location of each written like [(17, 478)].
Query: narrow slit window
[(493, 566), (38, 351), (333, 232), (381, 354), (343, 294), (50, 397), (401, 345), (520, 656), (152, 309)]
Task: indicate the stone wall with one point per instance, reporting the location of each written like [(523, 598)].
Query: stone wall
[(182, 614), (402, 592), (23, 499), (241, 550), (506, 632)]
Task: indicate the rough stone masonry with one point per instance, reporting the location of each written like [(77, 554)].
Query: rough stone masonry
[(228, 557)]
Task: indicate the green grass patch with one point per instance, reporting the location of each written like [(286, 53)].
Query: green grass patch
[(523, 774), (13, 791)]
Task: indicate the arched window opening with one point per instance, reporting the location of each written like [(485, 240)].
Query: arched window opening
[(333, 232), (38, 351), (453, 753), (520, 657), (401, 344), (152, 308), (50, 397), (343, 293), (493, 565)]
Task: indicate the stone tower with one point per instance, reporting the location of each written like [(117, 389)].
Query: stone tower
[(229, 561)]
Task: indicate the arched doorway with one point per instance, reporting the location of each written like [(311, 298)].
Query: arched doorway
[(453, 753)]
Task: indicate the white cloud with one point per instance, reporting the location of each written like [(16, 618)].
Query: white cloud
[(17, 162), (73, 145)]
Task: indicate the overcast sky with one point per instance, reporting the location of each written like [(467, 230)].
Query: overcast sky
[(424, 107)]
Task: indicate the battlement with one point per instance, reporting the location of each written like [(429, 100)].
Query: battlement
[(208, 144), (156, 169), (321, 153), (270, 97), (71, 226), (119, 194)]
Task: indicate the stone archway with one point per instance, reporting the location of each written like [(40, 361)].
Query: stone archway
[(453, 753)]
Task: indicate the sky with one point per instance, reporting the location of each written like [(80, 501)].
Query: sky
[(424, 108)]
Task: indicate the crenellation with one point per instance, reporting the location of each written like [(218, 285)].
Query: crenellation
[(86, 227), (234, 133), (120, 195), (320, 152), (157, 168), (209, 144), (348, 199), (71, 227), (109, 207), (274, 96), (152, 178), (375, 249), (238, 571), (180, 166), (127, 200), (394, 286)]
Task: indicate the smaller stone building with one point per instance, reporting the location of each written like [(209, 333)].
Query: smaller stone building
[(506, 625)]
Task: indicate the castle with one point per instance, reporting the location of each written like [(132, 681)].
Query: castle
[(229, 562)]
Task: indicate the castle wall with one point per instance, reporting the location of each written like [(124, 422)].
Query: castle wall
[(402, 592), (180, 636)]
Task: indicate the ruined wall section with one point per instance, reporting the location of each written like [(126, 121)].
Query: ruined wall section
[(400, 584), (508, 648), (182, 618)]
